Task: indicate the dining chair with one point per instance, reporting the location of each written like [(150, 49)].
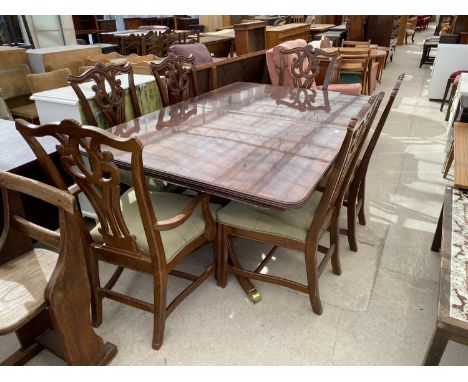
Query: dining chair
[(179, 80), (149, 232), (45, 294), (132, 44), (300, 66), (111, 103), (104, 57), (297, 64), (15, 92), (39, 82), (354, 67), (298, 229), (155, 43), (355, 197), (297, 19)]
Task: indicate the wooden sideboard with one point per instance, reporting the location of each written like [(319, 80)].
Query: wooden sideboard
[(278, 34), (250, 37)]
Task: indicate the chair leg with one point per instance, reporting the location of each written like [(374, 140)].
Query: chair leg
[(360, 201), (160, 295), (96, 298), (351, 215), (449, 162), (335, 240), (436, 348), (452, 94), (437, 240), (312, 277), (447, 87), (221, 271)]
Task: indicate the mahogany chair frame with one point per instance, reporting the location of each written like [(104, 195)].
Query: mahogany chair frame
[(62, 325), (180, 79), (326, 218), (155, 43), (306, 66), (132, 44), (111, 104), (101, 186), (356, 194)]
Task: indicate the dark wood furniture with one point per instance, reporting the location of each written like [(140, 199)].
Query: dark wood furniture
[(132, 23), (277, 34), (19, 159), (305, 66), (85, 25), (46, 294), (185, 23), (128, 234), (247, 169), (355, 27), (247, 68), (250, 37), (111, 104), (452, 313), (133, 43), (300, 229), (219, 46), (107, 26), (429, 44), (355, 196), (180, 80)]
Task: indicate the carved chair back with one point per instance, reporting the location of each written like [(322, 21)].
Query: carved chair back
[(344, 165), (99, 179), (180, 80), (364, 164), (155, 43), (302, 66), (131, 44), (111, 103)]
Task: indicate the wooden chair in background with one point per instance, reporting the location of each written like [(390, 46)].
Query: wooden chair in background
[(111, 103), (297, 19), (354, 67), (180, 80), (128, 234), (131, 44), (45, 295), (298, 229)]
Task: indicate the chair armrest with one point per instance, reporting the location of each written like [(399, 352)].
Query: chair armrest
[(168, 224), (74, 189)]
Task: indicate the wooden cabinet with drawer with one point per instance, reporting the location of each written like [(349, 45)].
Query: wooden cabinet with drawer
[(277, 34)]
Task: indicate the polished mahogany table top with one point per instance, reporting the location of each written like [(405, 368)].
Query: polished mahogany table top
[(261, 144), (16, 153)]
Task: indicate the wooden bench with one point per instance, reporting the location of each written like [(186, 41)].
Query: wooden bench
[(452, 315)]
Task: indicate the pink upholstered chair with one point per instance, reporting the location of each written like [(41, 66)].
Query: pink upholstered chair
[(273, 58)]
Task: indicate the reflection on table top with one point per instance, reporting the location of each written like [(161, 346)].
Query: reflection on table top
[(67, 96), (263, 144), (15, 152)]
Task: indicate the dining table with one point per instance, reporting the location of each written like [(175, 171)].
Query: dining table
[(255, 143)]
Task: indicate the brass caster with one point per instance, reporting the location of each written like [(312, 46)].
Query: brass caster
[(254, 296)]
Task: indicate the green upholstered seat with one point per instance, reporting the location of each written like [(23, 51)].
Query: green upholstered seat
[(350, 78), (293, 223), (166, 205)]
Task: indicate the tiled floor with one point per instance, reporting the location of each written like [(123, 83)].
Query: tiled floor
[(380, 311)]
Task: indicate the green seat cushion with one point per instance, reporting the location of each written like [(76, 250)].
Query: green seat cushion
[(293, 223), (166, 205), (350, 78)]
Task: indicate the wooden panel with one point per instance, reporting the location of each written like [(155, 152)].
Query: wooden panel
[(250, 37), (461, 155), (261, 144)]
